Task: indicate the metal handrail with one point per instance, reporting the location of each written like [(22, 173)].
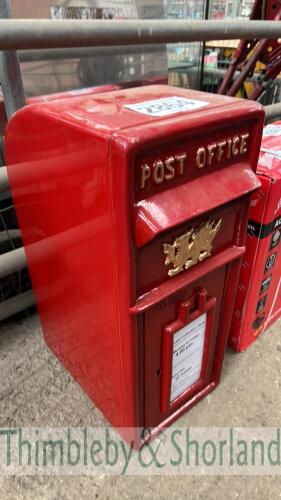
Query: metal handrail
[(272, 112), (13, 261), (16, 304), (33, 34), (10, 73)]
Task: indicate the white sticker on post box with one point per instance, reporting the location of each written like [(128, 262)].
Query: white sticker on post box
[(166, 106), (188, 347)]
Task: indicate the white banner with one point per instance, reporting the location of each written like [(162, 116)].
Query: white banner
[(176, 451)]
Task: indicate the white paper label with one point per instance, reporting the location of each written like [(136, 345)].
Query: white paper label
[(271, 130), (188, 347), (166, 106), (273, 152)]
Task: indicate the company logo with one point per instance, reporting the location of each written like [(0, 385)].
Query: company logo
[(275, 240), (270, 262), (258, 322), (261, 303), (265, 284)]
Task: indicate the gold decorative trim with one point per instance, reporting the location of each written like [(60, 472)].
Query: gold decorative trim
[(192, 247)]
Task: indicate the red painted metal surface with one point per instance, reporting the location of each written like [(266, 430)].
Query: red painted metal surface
[(94, 238), (258, 299), (52, 97)]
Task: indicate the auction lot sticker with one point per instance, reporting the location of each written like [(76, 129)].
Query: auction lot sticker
[(166, 106)]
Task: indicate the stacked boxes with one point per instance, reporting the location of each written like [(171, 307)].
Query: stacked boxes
[(258, 301)]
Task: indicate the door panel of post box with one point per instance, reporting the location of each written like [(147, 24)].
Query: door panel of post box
[(161, 398)]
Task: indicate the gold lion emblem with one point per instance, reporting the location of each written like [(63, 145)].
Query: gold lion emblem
[(192, 247)]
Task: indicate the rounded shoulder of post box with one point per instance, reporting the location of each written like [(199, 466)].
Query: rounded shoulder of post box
[(25, 134), (23, 114), (18, 130), (252, 106)]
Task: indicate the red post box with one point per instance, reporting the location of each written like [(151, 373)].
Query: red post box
[(133, 208)]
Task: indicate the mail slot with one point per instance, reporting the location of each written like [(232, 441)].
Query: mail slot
[(133, 209)]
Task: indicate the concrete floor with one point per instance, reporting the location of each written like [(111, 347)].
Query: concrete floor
[(36, 391)]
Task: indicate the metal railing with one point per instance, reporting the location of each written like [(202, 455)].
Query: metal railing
[(19, 34), (16, 304), (10, 74), (272, 112), (42, 34)]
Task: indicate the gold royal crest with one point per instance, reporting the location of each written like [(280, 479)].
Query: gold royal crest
[(192, 247)]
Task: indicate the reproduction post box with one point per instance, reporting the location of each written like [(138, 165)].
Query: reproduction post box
[(133, 208)]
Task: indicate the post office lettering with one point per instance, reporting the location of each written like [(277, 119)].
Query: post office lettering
[(225, 149), (161, 171)]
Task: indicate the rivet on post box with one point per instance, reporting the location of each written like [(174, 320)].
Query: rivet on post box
[(133, 209)]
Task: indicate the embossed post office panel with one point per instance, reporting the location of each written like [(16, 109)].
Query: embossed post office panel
[(133, 209)]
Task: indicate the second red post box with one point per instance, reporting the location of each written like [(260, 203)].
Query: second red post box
[(133, 209)]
